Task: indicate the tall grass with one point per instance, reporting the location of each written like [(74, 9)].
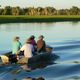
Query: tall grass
[(24, 18)]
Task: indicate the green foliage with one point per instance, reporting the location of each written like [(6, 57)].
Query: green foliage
[(50, 11), (6, 10), (40, 18)]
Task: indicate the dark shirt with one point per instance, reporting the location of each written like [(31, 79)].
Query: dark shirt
[(41, 46), (33, 42)]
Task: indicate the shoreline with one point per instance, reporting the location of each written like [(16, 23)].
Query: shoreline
[(29, 19)]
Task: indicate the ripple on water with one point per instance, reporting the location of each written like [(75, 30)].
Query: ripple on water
[(67, 67)]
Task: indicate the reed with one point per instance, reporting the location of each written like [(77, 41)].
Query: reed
[(24, 18)]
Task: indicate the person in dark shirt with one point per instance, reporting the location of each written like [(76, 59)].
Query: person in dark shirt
[(41, 45), (32, 38), (33, 42)]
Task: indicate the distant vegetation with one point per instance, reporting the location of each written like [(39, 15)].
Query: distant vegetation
[(39, 14), (31, 11)]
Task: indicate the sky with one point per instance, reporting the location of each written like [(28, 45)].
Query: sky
[(41, 3)]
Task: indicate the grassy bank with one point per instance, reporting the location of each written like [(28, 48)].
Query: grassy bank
[(23, 18)]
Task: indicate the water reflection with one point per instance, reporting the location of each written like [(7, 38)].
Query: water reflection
[(30, 78), (25, 26), (75, 23)]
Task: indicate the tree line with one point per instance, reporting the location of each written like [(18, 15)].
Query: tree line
[(8, 10)]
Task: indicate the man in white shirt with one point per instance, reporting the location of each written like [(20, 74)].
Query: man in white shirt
[(28, 49)]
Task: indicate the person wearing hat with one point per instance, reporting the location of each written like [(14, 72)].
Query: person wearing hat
[(16, 45), (27, 50), (41, 44), (33, 42)]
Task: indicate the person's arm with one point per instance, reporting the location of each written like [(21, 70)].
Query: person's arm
[(20, 44), (44, 44), (22, 49), (35, 42), (18, 52)]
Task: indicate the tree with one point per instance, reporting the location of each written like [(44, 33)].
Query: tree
[(25, 10), (7, 10), (62, 12), (49, 10), (74, 10), (39, 11), (31, 11), (16, 11), (1, 11)]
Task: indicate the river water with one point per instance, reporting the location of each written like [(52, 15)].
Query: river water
[(64, 37)]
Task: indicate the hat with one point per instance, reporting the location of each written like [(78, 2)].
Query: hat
[(32, 37), (28, 41), (41, 36), (16, 38)]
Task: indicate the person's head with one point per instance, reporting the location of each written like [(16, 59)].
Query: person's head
[(32, 37), (16, 38), (28, 41), (40, 78), (41, 37)]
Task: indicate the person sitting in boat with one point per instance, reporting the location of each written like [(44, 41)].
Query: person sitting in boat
[(33, 42), (41, 45), (32, 38), (15, 48), (16, 45), (27, 49)]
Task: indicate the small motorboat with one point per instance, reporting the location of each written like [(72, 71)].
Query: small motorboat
[(40, 60)]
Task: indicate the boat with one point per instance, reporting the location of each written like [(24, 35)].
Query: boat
[(38, 61)]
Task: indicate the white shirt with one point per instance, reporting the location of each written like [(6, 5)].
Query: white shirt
[(27, 48)]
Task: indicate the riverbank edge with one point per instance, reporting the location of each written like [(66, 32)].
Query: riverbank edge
[(26, 19)]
